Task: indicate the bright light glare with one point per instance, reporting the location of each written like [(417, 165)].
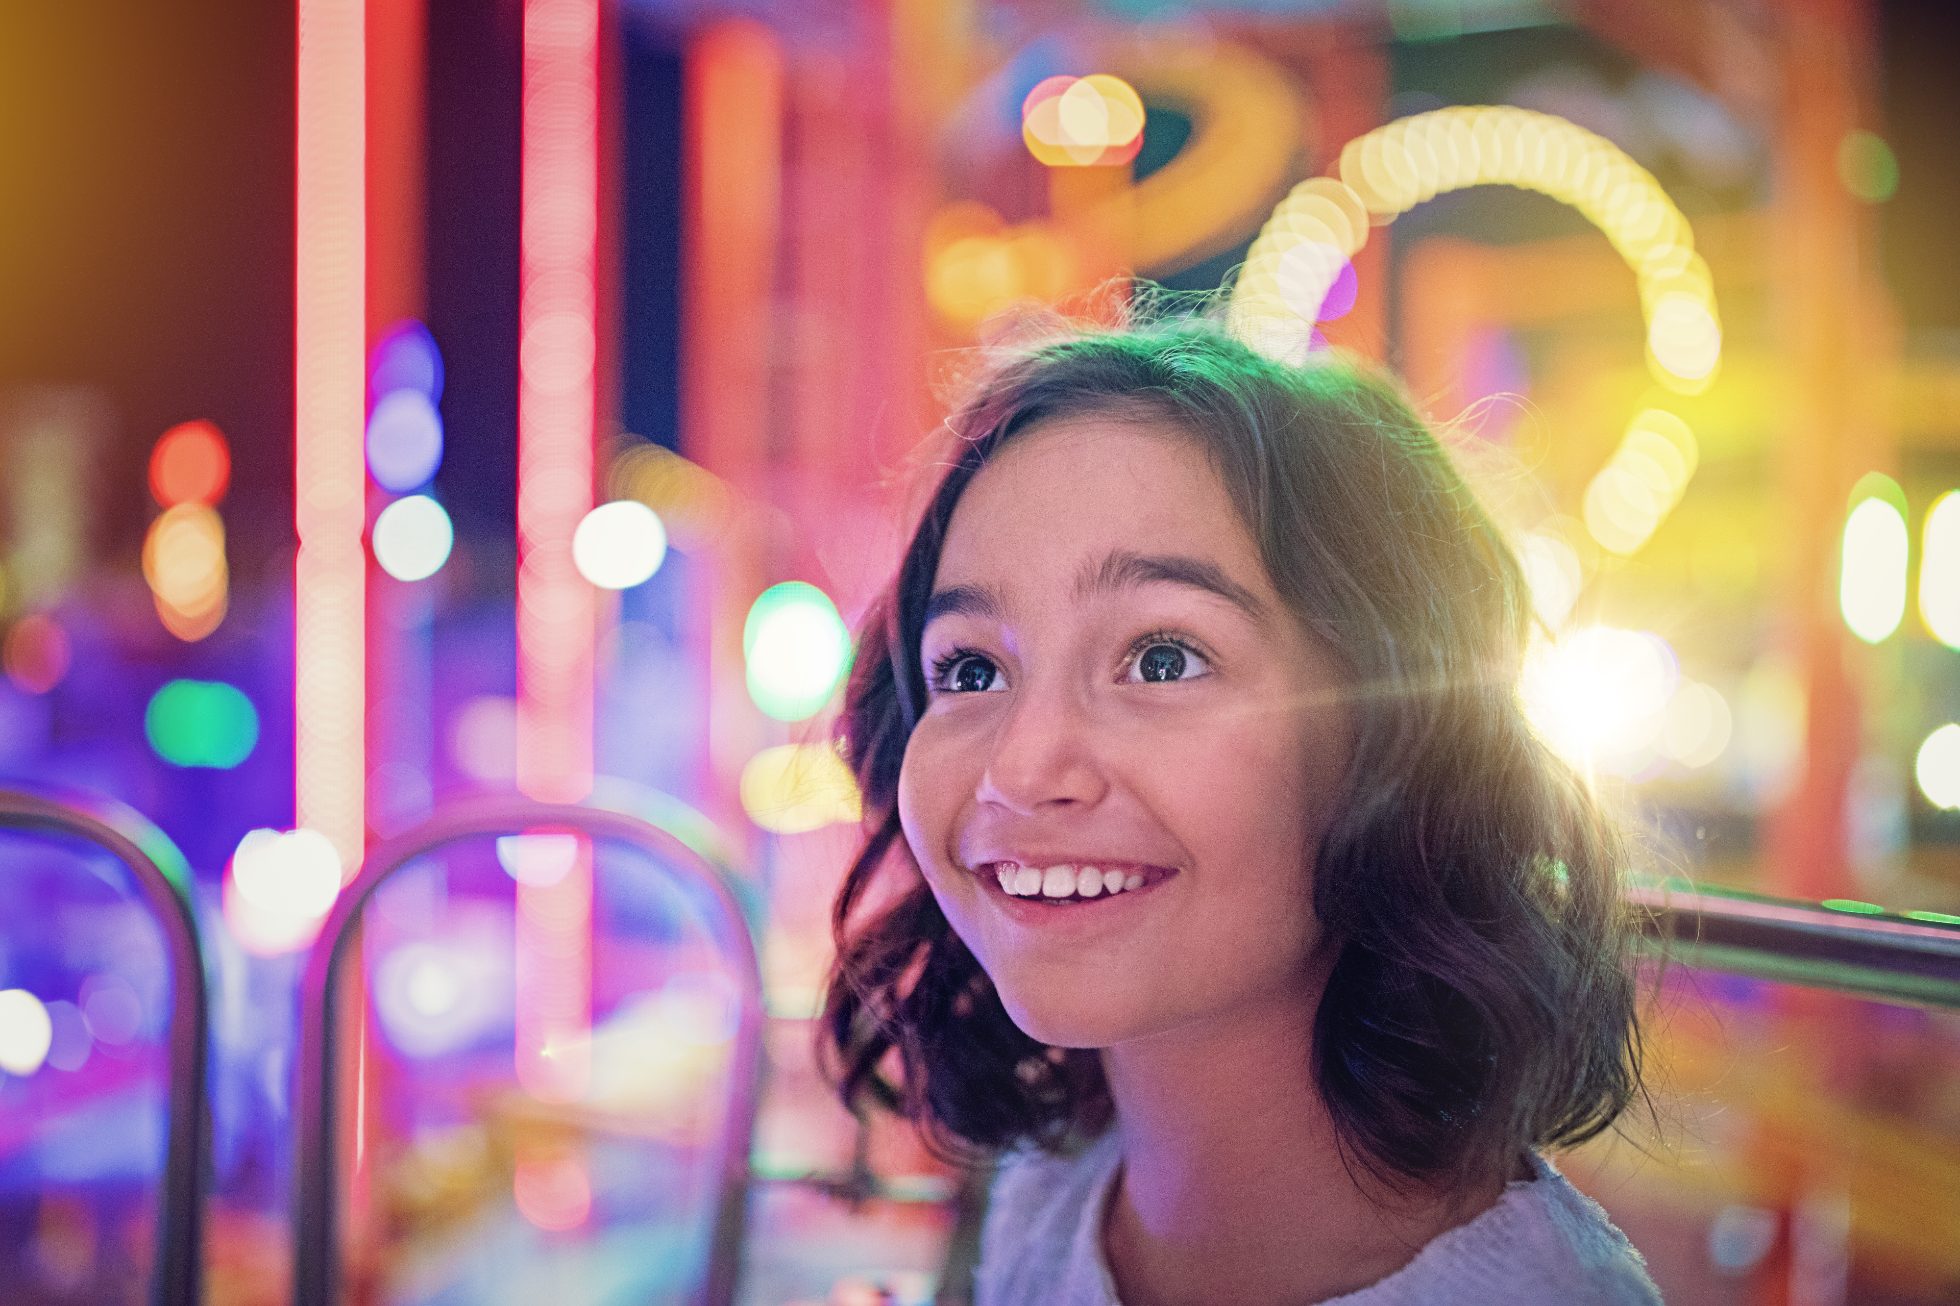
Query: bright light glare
[(1872, 584), (1939, 570), (404, 441), (1937, 767), (1554, 574), (1597, 695), (291, 873), (26, 1032), (413, 537), (619, 544), (797, 648)]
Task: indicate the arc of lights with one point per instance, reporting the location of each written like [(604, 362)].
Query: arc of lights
[(1384, 173)]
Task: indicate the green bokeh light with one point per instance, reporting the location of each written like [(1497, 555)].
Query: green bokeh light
[(1853, 906), (796, 648), (203, 723), (1868, 167)]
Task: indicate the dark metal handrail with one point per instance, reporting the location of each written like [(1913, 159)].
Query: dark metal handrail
[(651, 822), (1865, 953), (163, 877)]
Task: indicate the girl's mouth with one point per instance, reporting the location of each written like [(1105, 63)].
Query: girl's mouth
[(1070, 884)]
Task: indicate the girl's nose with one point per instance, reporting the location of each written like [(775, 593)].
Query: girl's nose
[(1043, 755)]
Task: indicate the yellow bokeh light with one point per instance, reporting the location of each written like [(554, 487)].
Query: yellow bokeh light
[(1076, 122), (795, 788), (1630, 496), (1397, 166), (1939, 570), (184, 563), (1872, 579)]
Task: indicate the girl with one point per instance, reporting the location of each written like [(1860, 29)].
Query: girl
[(1238, 911)]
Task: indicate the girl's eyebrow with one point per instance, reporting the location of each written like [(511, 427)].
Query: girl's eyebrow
[(1124, 569), (1121, 569)]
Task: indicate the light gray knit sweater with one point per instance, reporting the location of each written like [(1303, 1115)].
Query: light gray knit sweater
[(1544, 1241)]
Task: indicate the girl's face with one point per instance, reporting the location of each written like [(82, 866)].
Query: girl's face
[(1113, 682)]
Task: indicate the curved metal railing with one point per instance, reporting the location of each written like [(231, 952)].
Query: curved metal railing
[(164, 879), (650, 822), (1864, 953)]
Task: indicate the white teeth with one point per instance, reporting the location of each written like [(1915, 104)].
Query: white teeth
[(1064, 881)]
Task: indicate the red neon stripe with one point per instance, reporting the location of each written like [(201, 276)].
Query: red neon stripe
[(329, 379)]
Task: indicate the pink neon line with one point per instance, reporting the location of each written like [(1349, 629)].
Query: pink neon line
[(329, 635), (556, 607)]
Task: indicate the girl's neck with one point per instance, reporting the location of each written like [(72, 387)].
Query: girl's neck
[(1233, 1186)]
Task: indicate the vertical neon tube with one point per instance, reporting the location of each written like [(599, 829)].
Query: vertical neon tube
[(329, 373), (556, 608)]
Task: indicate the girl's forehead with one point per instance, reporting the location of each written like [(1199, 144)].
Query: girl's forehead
[(1063, 494)]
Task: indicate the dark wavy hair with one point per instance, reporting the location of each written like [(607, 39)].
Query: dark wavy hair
[(1480, 1000)]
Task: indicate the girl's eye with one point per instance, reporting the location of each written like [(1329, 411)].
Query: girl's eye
[(1161, 659), (964, 672)]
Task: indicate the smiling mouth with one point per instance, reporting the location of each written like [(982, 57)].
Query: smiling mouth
[(1072, 883)]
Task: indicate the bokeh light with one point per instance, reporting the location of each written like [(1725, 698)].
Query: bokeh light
[(483, 738), (797, 649), (1697, 725), (1868, 167), (190, 464), (1553, 572), (793, 788), (279, 887), (538, 860), (1291, 266), (184, 562), (1628, 498), (620, 544), (201, 723), (412, 538), (977, 266), (404, 441), (1872, 579), (1939, 569), (35, 653), (552, 1186), (111, 1008), (437, 996), (1937, 767), (26, 1032), (1077, 122), (70, 1041), (1598, 694), (405, 358)]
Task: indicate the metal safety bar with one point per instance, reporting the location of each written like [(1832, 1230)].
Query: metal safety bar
[(163, 877), (651, 822), (1865, 953)]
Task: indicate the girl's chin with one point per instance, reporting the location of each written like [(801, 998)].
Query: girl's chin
[(1085, 1024)]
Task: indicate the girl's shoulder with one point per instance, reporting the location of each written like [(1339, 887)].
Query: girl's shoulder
[(1544, 1241)]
